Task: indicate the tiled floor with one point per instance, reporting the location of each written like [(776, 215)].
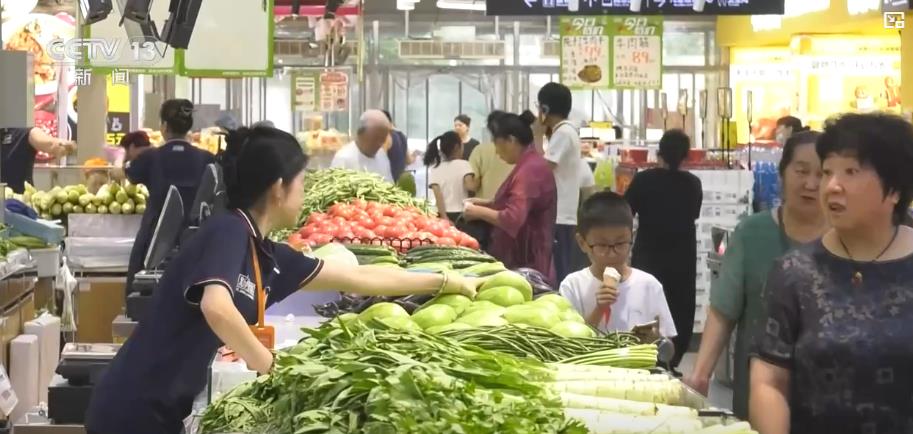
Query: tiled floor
[(720, 395)]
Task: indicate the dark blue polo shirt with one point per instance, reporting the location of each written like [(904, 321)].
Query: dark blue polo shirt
[(176, 163), (17, 157), (152, 382)]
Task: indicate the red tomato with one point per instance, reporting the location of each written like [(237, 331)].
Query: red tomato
[(316, 218), (446, 241), (396, 231), (329, 229), (437, 229), (307, 231), (358, 203), (421, 222), (386, 221), (366, 234), (339, 221), (390, 211), (470, 242), (321, 238), (366, 222), (380, 230), (335, 209)]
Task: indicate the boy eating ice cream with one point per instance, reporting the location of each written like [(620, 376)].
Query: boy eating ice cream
[(610, 294)]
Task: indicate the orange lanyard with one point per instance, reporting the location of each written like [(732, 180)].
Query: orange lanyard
[(265, 334)]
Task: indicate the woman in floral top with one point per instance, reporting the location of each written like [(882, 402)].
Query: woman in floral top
[(835, 354)]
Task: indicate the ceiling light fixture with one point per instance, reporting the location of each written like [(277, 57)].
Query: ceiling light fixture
[(698, 5), (635, 5), (573, 5), (405, 5), (463, 5)]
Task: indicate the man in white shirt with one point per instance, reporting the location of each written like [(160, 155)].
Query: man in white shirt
[(605, 233), (563, 152), (366, 153)]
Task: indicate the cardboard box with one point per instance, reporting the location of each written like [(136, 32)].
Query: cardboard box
[(49, 429), (98, 301)]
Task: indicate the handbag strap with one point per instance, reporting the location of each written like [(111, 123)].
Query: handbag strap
[(258, 279)]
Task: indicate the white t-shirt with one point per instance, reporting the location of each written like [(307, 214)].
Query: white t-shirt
[(350, 157), (449, 177), (640, 301), (563, 149)]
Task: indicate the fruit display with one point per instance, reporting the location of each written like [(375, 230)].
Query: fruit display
[(319, 141), (366, 222), (379, 373), (112, 198)]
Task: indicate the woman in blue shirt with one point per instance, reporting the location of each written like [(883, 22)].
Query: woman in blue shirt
[(176, 163), (208, 295)]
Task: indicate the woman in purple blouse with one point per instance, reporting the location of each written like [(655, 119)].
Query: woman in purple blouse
[(524, 209)]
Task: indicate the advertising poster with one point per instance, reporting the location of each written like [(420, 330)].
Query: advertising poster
[(770, 75), (118, 121), (31, 25)]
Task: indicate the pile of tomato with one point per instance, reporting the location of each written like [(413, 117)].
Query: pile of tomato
[(366, 222)]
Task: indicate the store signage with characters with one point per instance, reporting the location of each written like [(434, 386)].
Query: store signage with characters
[(118, 120), (320, 91), (611, 52), (640, 7), (896, 5)]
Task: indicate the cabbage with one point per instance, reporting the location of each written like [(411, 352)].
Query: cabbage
[(381, 311), (539, 317), (446, 328), (456, 301), (483, 318), (573, 329), (502, 296), (511, 279), (557, 300), (434, 315)]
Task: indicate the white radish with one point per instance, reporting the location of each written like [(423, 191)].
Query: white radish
[(571, 400), (599, 422), (655, 392)]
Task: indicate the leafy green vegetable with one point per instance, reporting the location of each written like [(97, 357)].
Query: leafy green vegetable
[(371, 379)]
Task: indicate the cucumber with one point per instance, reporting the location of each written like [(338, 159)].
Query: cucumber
[(422, 249), (365, 250), (452, 256), (384, 260), (28, 242)]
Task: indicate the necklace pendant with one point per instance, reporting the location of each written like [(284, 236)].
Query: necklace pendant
[(857, 278)]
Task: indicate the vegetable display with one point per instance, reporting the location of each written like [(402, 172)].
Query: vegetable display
[(112, 198), (349, 378), (352, 376), (370, 222), (325, 188)]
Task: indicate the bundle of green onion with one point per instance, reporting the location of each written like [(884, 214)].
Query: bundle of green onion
[(622, 350)]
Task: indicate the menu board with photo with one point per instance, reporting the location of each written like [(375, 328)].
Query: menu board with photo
[(585, 52), (334, 91), (32, 25), (611, 52)]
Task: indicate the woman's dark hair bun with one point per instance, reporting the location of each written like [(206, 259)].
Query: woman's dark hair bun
[(528, 117), (178, 114), (254, 159)]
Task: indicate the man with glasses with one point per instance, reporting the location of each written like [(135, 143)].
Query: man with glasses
[(605, 231)]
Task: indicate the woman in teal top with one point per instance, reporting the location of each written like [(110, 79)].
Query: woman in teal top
[(735, 297)]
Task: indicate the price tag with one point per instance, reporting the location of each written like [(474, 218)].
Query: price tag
[(637, 54), (585, 53)]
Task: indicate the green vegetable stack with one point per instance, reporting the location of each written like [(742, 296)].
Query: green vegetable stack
[(111, 198), (348, 378), (325, 188), (440, 258)]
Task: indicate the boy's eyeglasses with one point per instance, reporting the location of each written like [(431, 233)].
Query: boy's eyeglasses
[(605, 249)]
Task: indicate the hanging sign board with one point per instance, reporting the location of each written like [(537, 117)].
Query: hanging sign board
[(611, 52), (623, 7), (320, 91)]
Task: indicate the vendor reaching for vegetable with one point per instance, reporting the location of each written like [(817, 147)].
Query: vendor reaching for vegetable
[(209, 294), (610, 294)]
